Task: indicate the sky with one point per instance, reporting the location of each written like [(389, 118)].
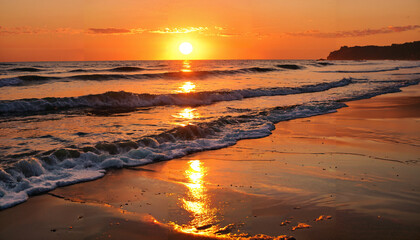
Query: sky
[(77, 30)]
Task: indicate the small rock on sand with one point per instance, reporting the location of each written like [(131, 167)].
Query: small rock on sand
[(301, 226), (323, 217)]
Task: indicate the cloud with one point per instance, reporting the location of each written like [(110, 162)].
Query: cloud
[(354, 33), (206, 31), (21, 30), (67, 31), (215, 31), (114, 31), (37, 30), (179, 30)]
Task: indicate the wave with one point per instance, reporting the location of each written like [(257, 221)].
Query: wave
[(10, 82), (126, 69), (25, 80), (25, 69), (158, 65), (324, 63), (404, 67), (396, 87), (204, 74), (289, 66), (99, 77), (166, 75), (362, 71), (116, 69), (61, 167), (133, 100), (79, 70), (34, 78)]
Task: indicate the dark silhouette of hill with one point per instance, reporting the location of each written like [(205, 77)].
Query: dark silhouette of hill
[(405, 51)]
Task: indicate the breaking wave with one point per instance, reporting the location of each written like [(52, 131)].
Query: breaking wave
[(132, 100), (61, 167)]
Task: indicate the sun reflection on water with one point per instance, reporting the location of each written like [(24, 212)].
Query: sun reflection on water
[(197, 201), (187, 87), (186, 66), (185, 116)]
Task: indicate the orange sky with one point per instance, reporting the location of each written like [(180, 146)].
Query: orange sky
[(54, 30)]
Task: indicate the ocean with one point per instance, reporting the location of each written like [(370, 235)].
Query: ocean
[(68, 122)]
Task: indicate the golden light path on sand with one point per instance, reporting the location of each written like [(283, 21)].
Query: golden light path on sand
[(205, 217), (197, 202)]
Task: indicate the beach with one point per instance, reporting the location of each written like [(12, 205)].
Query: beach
[(352, 174)]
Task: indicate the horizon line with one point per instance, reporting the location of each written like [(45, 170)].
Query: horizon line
[(226, 59)]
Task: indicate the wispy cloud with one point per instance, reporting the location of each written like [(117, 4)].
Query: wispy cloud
[(37, 30), (206, 31), (214, 31), (354, 33), (22, 30), (115, 31), (179, 30)]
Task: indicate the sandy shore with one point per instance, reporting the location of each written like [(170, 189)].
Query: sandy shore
[(347, 175)]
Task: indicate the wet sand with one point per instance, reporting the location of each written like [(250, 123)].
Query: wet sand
[(346, 175)]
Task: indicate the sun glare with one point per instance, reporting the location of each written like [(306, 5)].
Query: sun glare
[(185, 48), (187, 87)]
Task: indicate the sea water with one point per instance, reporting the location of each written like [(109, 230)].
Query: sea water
[(67, 122)]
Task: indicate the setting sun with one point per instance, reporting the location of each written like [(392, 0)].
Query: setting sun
[(185, 48)]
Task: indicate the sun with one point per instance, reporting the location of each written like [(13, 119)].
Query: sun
[(185, 48)]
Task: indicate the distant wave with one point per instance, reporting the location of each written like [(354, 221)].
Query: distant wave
[(404, 67), (158, 65), (372, 71), (396, 87), (10, 82), (126, 69), (34, 78), (133, 100), (104, 76), (25, 69), (324, 63), (22, 80), (289, 66), (79, 70), (363, 71), (117, 69)]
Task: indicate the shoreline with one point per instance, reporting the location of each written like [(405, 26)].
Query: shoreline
[(307, 168)]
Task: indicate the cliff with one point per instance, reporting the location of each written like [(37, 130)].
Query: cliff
[(405, 51)]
